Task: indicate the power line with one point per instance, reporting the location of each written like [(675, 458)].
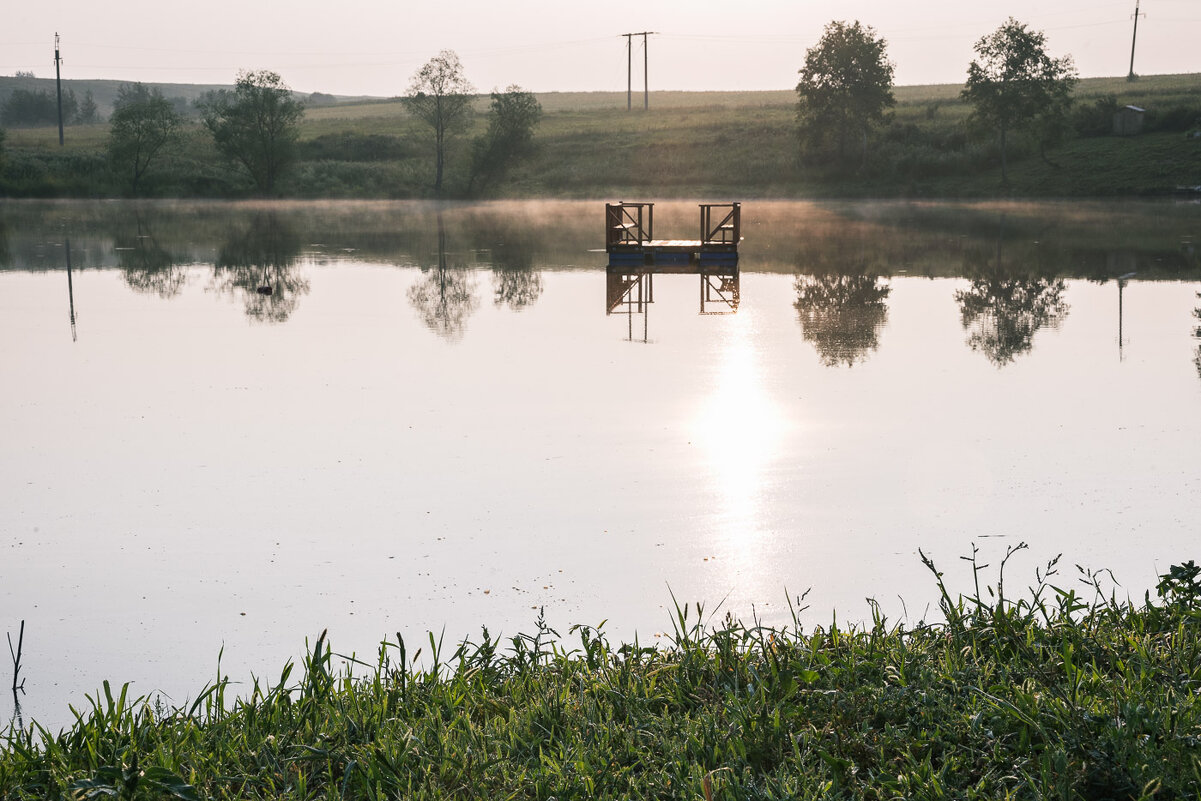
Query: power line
[(517, 48), (646, 93)]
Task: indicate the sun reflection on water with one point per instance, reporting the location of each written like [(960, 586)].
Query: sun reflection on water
[(741, 430)]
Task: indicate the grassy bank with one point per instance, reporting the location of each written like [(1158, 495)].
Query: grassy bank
[(1058, 694), (688, 144)]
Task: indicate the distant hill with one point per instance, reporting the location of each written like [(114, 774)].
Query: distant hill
[(1149, 88), (104, 92)]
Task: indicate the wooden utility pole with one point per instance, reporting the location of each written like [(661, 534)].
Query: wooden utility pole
[(58, 82), (71, 289), (646, 84), (1131, 76), (629, 69), (646, 97)]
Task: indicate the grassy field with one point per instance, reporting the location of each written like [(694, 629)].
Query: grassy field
[(688, 144), (1060, 693)]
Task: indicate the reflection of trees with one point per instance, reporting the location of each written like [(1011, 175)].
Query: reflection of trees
[(148, 266), (514, 282), (516, 289), (444, 296), (1002, 313), (5, 257), (842, 315), (1003, 308), (259, 263), (1197, 335)]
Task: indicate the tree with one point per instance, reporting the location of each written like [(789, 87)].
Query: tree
[(440, 96), (88, 111), (25, 107), (1013, 82), (512, 118), (143, 124), (256, 125), (845, 86)]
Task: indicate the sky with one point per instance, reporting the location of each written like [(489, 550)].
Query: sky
[(356, 47)]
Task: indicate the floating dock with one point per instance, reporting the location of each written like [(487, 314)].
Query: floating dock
[(630, 239)]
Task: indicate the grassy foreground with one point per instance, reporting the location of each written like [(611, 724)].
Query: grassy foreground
[(1053, 695)]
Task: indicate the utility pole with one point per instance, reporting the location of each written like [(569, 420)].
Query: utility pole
[(646, 96), (646, 81), (58, 82), (70, 290), (1131, 76), (629, 68)]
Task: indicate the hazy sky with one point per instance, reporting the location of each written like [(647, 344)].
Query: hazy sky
[(373, 48)]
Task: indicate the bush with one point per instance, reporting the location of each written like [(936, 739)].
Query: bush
[(352, 146), (1095, 118), (348, 179), (1174, 119), (30, 174)]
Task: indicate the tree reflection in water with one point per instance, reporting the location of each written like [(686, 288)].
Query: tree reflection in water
[(146, 265), (5, 256), (517, 289), (842, 315), (515, 283), (1197, 335), (259, 264), (444, 296), (1002, 313)]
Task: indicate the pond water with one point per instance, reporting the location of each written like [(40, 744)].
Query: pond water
[(234, 426)]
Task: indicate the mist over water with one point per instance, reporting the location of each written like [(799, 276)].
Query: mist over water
[(235, 425)]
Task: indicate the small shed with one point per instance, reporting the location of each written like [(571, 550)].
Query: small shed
[(1128, 121)]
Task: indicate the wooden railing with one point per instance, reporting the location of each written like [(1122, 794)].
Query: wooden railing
[(628, 223), (728, 228)]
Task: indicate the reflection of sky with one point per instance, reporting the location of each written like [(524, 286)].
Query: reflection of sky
[(178, 466)]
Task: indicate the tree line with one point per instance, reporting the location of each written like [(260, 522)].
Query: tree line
[(256, 125), (25, 108), (845, 90)]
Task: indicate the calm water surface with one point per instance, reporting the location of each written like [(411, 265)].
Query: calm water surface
[(433, 421)]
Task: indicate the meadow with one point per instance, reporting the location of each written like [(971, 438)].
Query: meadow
[(1063, 691), (688, 144)]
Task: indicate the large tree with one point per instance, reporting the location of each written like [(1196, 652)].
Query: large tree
[(512, 118), (256, 125), (1014, 82), (143, 124), (440, 95), (845, 86)]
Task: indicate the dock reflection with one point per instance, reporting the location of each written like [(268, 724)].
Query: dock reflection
[(631, 291)]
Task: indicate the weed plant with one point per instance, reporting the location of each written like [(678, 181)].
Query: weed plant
[(1058, 694)]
